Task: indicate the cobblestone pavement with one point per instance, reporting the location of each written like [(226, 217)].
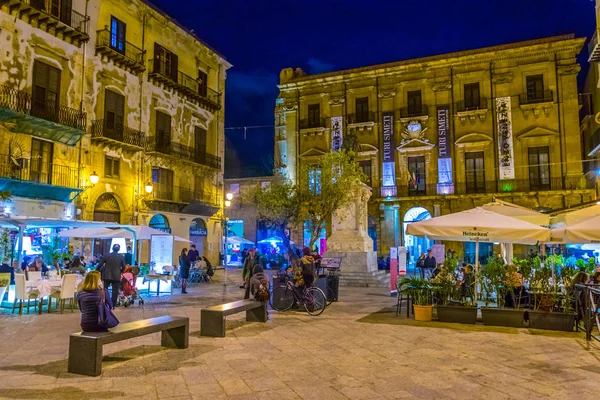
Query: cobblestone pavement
[(333, 356)]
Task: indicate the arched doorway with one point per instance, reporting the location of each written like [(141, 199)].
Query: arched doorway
[(160, 222), (415, 245), (106, 209), (198, 232)]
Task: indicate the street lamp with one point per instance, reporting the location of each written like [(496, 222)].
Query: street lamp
[(227, 203), (149, 188), (94, 178)]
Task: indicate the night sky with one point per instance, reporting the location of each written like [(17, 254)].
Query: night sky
[(261, 37)]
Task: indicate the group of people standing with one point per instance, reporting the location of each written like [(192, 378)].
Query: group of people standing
[(187, 259)]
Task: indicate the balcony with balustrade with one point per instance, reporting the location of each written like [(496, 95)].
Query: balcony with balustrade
[(47, 120), (362, 120), (121, 136), (181, 199), (184, 84), (56, 18), (156, 146), (122, 53), (33, 178), (414, 112)]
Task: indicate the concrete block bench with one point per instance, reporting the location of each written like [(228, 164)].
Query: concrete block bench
[(212, 319), (85, 348)]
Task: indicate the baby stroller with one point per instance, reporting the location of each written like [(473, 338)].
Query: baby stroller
[(128, 293)]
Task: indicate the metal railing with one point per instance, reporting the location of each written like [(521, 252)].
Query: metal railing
[(311, 123), (183, 194), (587, 306), (68, 17), (186, 152), (109, 39), (542, 96), (359, 118), (462, 106), (34, 170), (100, 129), (18, 101), (186, 83), (593, 48), (414, 111)]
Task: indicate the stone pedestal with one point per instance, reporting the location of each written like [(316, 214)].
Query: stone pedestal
[(349, 238)]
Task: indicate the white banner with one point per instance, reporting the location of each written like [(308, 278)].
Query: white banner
[(506, 157), (336, 133)]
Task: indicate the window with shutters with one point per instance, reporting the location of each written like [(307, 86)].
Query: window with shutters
[(162, 180), (198, 187), (46, 91), (41, 161), (362, 109), (414, 102), (117, 34), (111, 167), (114, 115), (314, 115), (539, 168), (165, 62), (59, 9), (535, 87), (163, 132), (471, 96), (200, 143), (203, 85), (475, 172)]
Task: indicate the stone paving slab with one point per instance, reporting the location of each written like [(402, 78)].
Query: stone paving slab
[(354, 350)]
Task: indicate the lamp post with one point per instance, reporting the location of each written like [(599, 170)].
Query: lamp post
[(226, 203)]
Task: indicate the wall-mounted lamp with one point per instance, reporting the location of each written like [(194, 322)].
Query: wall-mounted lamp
[(149, 187), (229, 196), (94, 178)]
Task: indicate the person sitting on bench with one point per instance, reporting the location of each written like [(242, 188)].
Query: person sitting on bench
[(89, 298)]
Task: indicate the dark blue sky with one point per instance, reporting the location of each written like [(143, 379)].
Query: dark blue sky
[(260, 37)]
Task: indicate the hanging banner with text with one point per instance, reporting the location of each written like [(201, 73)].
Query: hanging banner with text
[(444, 145), (506, 159), (393, 270), (388, 167), (402, 260), (336, 133)]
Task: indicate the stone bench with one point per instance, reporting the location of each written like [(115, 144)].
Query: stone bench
[(85, 348), (212, 319)]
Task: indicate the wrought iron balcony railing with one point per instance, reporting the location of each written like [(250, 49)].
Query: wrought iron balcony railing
[(542, 96), (53, 16), (182, 194), (121, 51), (21, 102), (187, 153), (36, 171), (463, 106), (312, 123), (361, 118), (125, 135), (594, 48), (414, 111)]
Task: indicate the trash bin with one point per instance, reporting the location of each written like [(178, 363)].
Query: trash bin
[(333, 284)]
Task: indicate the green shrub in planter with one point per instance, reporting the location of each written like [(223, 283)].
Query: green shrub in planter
[(499, 280)]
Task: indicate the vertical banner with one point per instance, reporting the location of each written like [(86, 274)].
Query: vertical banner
[(393, 270), (506, 157), (444, 151), (388, 167), (336, 133), (438, 251), (402, 260)]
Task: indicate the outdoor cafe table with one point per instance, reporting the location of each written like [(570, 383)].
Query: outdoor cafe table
[(45, 287), (158, 278)]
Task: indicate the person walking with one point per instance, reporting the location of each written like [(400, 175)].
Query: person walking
[(248, 270), (111, 266), (429, 263), (184, 273), (421, 265)]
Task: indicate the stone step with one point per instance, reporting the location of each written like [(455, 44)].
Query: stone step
[(377, 278)]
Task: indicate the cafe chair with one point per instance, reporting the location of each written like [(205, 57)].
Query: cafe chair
[(34, 276), (67, 291), (4, 278), (22, 293)]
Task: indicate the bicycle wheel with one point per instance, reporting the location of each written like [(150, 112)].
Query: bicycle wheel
[(282, 298), (314, 301), (329, 296)]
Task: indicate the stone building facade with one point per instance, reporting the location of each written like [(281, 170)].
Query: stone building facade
[(445, 133), (119, 90)]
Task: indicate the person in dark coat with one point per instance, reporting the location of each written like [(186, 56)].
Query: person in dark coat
[(7, 269), (129, 256), (430, 262), (88, 300), (248, 270), (184, 273), (111, 266), (193, 254)]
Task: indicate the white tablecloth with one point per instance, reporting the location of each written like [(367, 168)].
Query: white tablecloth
[(45, 287)]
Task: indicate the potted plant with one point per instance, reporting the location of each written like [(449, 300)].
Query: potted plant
[(499, 280), (547, 298), (419, 291), (455, 301)]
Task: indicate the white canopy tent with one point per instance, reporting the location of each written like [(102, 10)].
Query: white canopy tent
[(87, 233), (237, 240), (479, 225)]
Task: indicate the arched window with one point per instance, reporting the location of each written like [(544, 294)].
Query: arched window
[(107, 209), (198, 227), (160, 222)]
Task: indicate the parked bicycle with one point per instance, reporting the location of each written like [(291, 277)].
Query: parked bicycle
[(286, 295)]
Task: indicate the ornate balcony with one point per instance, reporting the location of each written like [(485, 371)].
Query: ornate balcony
[(182, 152), (122, 53), (544, 96), (594, 48), (466, 106), (32, 178), (185, 85), (61, 21), (123, 136), (48, 120), (182, 199), (365, 120)]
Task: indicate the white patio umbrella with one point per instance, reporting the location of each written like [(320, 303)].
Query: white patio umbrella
[(238, 240), (143, 232), (479, 225), (586, 231), (518, 212), (87, 233), (574, 217)]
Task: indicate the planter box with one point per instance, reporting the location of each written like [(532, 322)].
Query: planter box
[(554, 321), (503, 317), (461, 315), (423, 313)]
